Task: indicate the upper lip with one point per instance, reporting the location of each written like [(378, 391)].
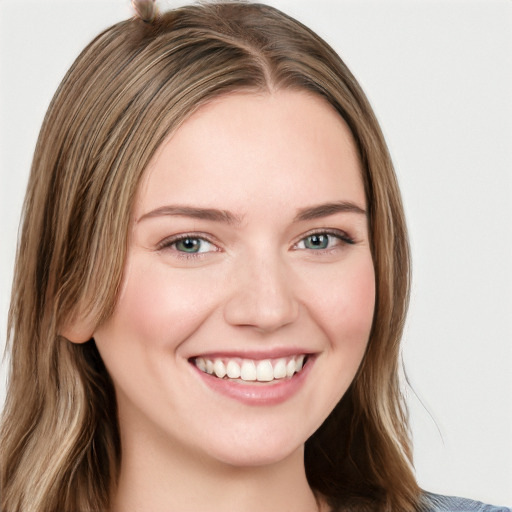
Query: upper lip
[(256, 355)]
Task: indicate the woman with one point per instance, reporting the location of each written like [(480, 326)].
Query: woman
[(211, 282)]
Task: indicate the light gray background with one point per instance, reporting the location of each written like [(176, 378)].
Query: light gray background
[(439, 76)]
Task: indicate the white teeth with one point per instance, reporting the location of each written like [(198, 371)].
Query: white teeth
[(280, 369), (219, 368), (265, 370), (201, 364), (233, 370), (291, 367), (248, 371)]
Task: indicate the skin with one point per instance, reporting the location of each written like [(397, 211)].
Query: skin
[(256, 285)]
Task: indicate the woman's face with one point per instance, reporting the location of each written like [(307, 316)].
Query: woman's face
[(248, 255)]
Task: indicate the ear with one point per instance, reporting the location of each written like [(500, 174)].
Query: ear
[(79, 329)]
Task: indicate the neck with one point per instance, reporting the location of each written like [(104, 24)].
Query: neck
[(168, 479)]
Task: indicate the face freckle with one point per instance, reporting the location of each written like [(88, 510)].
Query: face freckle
[(249, 245)]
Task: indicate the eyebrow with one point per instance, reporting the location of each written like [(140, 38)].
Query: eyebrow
[(224, 216), (195, 212), (327, 209)]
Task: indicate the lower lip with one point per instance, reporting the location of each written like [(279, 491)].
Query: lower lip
[(271, 393)]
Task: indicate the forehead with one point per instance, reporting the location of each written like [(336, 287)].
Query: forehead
[(246, 147)]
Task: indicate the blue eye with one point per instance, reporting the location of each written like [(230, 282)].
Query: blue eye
[(316, 242), (323, 241), (192, 245), (188, 247)]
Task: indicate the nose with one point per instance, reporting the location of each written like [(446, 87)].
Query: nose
[(262, 295)]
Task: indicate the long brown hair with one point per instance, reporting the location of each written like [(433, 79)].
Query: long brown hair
[(131, 86)]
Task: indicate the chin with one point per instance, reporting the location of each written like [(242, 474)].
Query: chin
[(253, 458), (256, 449)]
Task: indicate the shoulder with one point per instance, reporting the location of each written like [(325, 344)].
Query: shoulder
[(438, 503)]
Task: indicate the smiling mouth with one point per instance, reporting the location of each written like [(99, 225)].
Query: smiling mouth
[(250, 370)]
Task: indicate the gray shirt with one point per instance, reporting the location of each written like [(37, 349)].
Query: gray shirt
[(438, 503)]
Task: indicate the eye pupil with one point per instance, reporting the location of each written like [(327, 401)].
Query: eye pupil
[(317, 242)]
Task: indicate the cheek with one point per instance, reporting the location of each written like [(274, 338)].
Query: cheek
[(344, 305), (160, 306)]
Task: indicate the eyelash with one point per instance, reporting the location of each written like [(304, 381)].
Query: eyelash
[(168, 243), (341, 236)]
